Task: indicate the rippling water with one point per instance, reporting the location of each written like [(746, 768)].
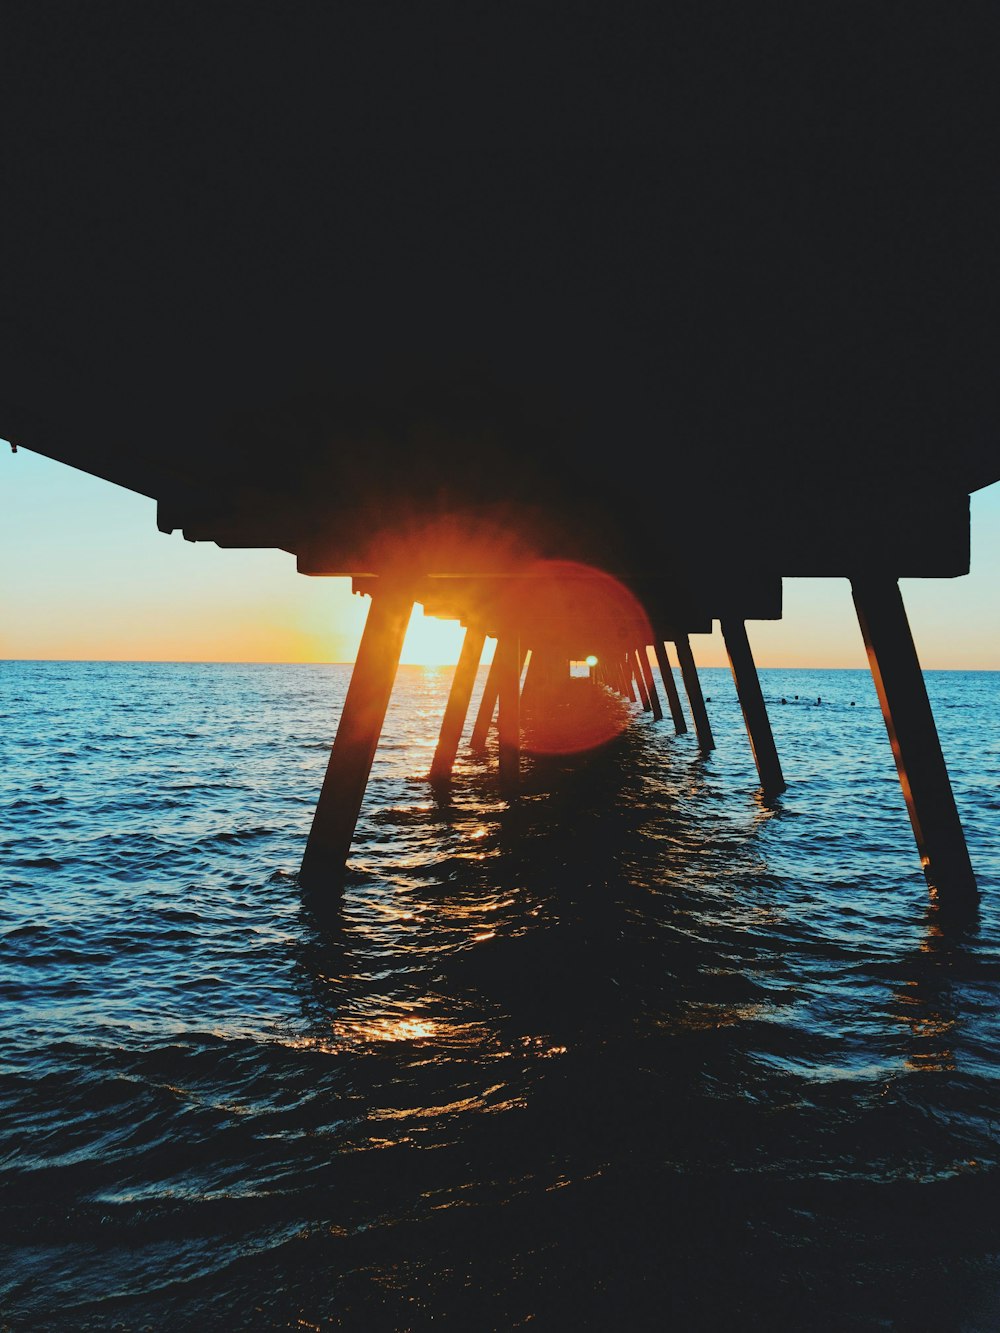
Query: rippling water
[(634, 1051)]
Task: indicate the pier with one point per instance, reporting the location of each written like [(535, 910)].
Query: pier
[(584, 340)]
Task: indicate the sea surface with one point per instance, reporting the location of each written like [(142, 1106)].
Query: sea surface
[(632, 1050)]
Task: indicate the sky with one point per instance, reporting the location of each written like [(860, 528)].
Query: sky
[(86, 575)]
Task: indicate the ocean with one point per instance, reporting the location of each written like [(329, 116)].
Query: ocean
[(632, 1050)]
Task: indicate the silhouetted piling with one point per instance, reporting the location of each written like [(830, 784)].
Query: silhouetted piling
[(902, 693), (670, 687), (640, 679), (509, 695), (360, 726), (458, 705), (487, 707), (751, 698), (642, 657), (696, 700)]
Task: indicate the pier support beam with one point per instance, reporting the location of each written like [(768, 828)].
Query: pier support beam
[(509, 723), (487, 704), (751, 699), (642, 657), (696, 700), (913, 735), (488, 701), (343, 790), (457, 706), (535, 681), (670, 687), (635, 665), (628, 672), (618, 678)]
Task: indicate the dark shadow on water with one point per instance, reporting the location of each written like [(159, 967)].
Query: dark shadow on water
[(771, 803), (952, 919), (571, 1080)]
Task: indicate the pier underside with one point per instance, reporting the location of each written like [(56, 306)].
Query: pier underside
[(583, 332)]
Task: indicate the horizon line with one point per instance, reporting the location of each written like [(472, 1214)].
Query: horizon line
[(220, 661)]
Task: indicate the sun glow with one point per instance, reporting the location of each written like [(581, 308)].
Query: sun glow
[(432, 642)]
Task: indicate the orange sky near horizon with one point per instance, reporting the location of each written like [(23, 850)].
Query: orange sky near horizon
[(85, 575)]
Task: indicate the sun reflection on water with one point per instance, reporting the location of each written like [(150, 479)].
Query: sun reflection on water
[(396, 1029)]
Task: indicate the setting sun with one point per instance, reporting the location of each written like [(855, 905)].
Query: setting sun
[(432, 642)]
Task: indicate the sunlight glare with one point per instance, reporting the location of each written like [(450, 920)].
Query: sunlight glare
[(431, 642)]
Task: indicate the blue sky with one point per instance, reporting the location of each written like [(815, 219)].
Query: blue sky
[(84, 573)]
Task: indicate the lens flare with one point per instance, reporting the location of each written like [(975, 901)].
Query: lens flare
[(564, 610)]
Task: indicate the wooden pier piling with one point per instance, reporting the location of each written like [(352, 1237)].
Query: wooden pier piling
[(343, 790), (670, 687), (487, 704), (631, 691), (916, 747), (457, 706), (635, 665), (696, 700), (642, 657), (509, 697), (751, 698)]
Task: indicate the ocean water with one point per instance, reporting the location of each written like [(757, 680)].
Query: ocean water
[(633, 1050)]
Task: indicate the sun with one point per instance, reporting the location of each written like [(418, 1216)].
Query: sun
[(431, 642)]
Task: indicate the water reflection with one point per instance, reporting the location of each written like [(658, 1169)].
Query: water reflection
[(390, 1029), (928, 1003)]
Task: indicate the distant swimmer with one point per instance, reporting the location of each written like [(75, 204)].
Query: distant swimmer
[(819, 701), (784, 701)]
